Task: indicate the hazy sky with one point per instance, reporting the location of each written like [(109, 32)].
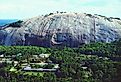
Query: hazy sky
[(20, 9)]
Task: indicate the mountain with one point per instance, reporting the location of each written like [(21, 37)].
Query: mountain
[(61, 29), (6, 21)]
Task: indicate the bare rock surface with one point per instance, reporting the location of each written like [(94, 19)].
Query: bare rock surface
[(61, 29)]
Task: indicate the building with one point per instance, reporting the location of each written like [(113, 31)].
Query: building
[(28, 68), (44, 55)]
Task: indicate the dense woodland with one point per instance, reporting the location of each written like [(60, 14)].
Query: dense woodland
[(95, 62)]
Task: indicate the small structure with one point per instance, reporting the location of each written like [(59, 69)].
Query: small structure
[(19, 54), (44, 55), (84, 68), (28, 68), (2, 55), (15, 63), (106, 58), (56, 66)]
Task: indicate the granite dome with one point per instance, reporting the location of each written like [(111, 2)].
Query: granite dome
[(61, 29)]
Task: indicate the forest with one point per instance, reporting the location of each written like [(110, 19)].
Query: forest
[(94, 62)]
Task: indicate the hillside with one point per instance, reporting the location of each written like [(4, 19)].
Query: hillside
[(62, 29)]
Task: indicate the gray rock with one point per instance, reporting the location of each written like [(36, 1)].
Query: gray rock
[(62, 29)]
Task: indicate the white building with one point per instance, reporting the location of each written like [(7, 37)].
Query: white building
[(44, 55)]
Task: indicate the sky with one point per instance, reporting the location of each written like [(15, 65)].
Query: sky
[(22, 9)]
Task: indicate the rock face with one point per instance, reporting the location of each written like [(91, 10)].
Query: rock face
[(61, 29)]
